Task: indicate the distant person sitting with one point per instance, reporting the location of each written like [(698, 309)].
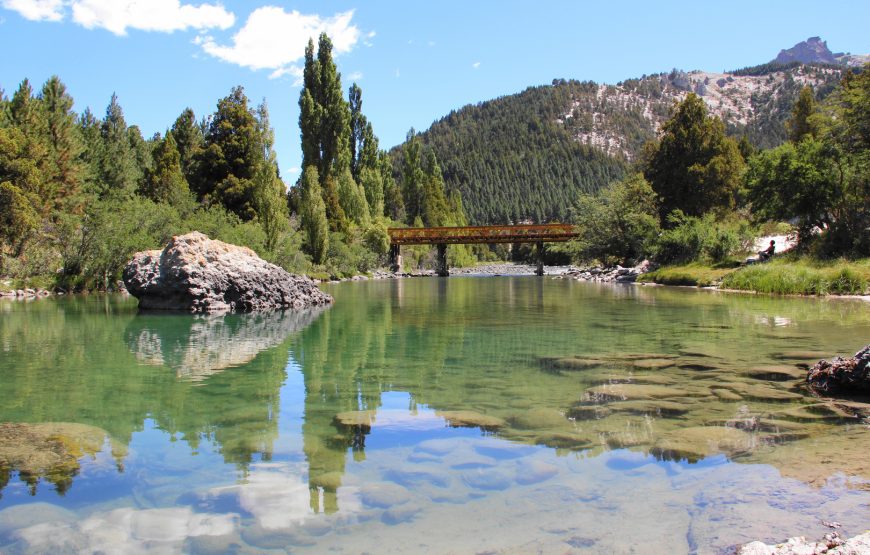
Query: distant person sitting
[(767, 254)]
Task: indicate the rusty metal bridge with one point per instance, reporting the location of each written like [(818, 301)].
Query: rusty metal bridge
[(467, 235)]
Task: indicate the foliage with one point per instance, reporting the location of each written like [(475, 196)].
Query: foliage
[(689, 238), (694, 167), (617, 225), (823, 180)]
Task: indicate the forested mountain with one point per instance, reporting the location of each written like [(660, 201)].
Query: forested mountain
[(526, 156)]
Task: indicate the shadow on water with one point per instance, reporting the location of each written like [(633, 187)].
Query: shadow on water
[(79, 372)]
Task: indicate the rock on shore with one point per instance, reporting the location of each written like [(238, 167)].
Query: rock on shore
[(831, 544), (197, 274), (842, 375)]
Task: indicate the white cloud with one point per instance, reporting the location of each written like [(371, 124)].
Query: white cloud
[(36, 10), (475, 65), (294, 170), (397, 73), (274, 39), (116, 16), (368, 38), (355, 76)]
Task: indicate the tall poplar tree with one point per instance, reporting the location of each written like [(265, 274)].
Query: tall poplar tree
[(313, 214), (324, 122)]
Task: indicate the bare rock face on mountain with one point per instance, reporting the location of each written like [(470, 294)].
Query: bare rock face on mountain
[(197, 274), (812, 50)]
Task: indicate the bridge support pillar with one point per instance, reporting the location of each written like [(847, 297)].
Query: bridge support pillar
[(395, 259), (539, 255), (441, 261)]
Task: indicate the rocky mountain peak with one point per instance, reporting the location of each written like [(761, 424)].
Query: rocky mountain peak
[(812, 50)]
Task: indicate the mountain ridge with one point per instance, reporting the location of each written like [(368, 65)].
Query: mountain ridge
[(527, 156)]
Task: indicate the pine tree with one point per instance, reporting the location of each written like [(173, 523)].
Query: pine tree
[(165, 181), (694, 167), (64, 146), (412, 177), (117, 171), (394, 204), (189, 139), (232, 156), (313, 214)]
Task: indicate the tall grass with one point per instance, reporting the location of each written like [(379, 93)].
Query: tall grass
[(801, 277)]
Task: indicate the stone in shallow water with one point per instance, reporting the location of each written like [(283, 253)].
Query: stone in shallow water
[(652, 363), (562, 440), (471, 419), (398, 515), (664, 408), (356, 419), (487, 479), (384, 495), (726, 394), (762, 392), (633, 391), (571, 363), (698, 442), (438, 447), (534, 471), (802, 355), (775, 372), (503, 451), (539, 419), (589, 412)]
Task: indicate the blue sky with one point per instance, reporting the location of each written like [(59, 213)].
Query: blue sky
[(415, 61)]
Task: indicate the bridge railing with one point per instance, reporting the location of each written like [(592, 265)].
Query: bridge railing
[(481, 234)]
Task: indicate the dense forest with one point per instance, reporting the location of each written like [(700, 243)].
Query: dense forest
[(526, 156), (512, 160)]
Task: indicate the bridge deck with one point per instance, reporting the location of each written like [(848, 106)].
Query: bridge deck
[(481, 234)]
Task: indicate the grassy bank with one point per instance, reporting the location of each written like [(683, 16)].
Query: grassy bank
[(696, 273), (782, 276)]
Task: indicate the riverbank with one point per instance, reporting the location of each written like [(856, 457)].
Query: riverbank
[(784, 276)]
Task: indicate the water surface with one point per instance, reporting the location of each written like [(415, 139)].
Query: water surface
[(459, 415)]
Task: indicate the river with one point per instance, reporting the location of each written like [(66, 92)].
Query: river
[(457, 415)]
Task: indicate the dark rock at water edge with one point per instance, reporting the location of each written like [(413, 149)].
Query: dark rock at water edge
[(197, 274), (842, 375)]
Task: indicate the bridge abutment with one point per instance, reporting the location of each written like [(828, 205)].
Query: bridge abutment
[(539, 255), (441, 267), (395, 259)]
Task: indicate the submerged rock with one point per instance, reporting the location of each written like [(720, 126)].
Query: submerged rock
[(842, 375), (197, 274), (471, 419), (696, 443)]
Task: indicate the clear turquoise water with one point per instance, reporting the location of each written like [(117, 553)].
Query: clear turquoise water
[(459, 415)]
